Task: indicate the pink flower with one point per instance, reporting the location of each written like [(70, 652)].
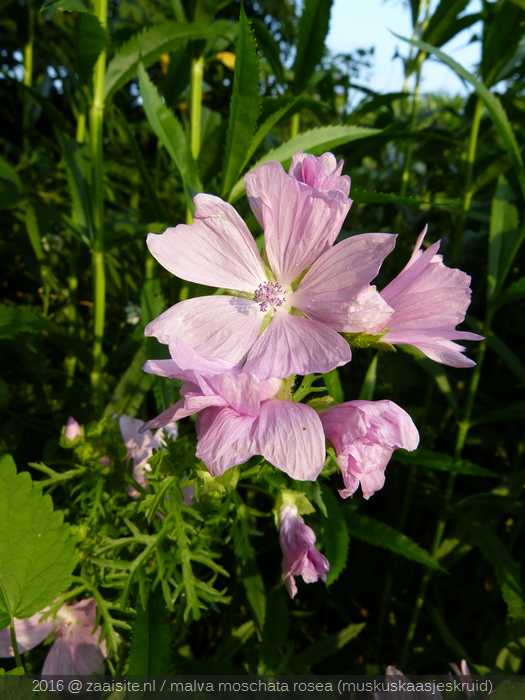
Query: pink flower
[(364, 435), (300, 557), (278, 320), (72, 430), (77, 649), (241, 416), (422, 307), (140, 444)]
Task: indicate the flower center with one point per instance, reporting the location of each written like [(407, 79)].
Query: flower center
[(269, 295)]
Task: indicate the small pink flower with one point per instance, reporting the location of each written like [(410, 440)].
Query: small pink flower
[(278, 320), (140, 444), (72, 430), (421, 307), (77, 649), (300, 557), (364, 435), (241, 416)]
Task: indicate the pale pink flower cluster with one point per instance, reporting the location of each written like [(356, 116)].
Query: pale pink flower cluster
[(283, 313), (77, 649)]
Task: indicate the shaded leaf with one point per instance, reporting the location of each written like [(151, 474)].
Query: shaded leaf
[(327, 646), (382, 535), (150, 651), (334, 533), (441, 462)]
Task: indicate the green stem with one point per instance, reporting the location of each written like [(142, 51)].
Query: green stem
[(461, 437), (197, 70), (96, 122), (14, 644), (468, 190), (28, 62)]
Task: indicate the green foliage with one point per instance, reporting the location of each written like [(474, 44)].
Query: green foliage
[(169, 132), (37, 554), (334, 532), (313, 28), (244, 106), (382, 535), (152, 636)]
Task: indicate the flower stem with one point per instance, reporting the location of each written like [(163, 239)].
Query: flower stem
[(469, 171), (295, 124), (96, 122), (461, 437), (14, 644), (197, 70)]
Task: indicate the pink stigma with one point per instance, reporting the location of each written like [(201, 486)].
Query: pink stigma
[(269, 295)]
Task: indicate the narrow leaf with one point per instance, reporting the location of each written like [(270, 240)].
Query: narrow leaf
[(429, 459), (313, 28), (381, 535), (492, 104), (147, 47), (150, 652), (502, 234), (169, 132), (312, 141), (334, 534), (244, 104), (369, 382)]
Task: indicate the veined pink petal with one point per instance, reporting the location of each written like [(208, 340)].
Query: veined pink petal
[(243, 391), (30, 632), (299, 222), (339, 274), (211, 329), (296, 345), (290, 436), (224, 439), (217, 249), (67, 659), (139, 443)]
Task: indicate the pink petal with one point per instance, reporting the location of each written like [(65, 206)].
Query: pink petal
[(243, 391), (296, 345), (322, 173), (224, 439), (217, 249), (339, 275), (216, 329), (393, 426), (299, 222), (69, 659), (290, 436), (30, 632)]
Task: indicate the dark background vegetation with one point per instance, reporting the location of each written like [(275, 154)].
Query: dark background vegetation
[(461, 498)]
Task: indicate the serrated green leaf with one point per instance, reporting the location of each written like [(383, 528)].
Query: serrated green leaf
[(37, 554), (313, 28), (169, 132), (150, 651), (269, 47), (382, 535), (429, 459), (312, 141), (491, 102), (335, 538), (244, 105), (147, 47)]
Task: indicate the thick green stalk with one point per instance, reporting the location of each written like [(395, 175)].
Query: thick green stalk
[(96, 122), (469, 171), (197, 71)]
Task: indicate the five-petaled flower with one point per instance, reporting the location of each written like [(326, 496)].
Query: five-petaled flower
[(279, 318)]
